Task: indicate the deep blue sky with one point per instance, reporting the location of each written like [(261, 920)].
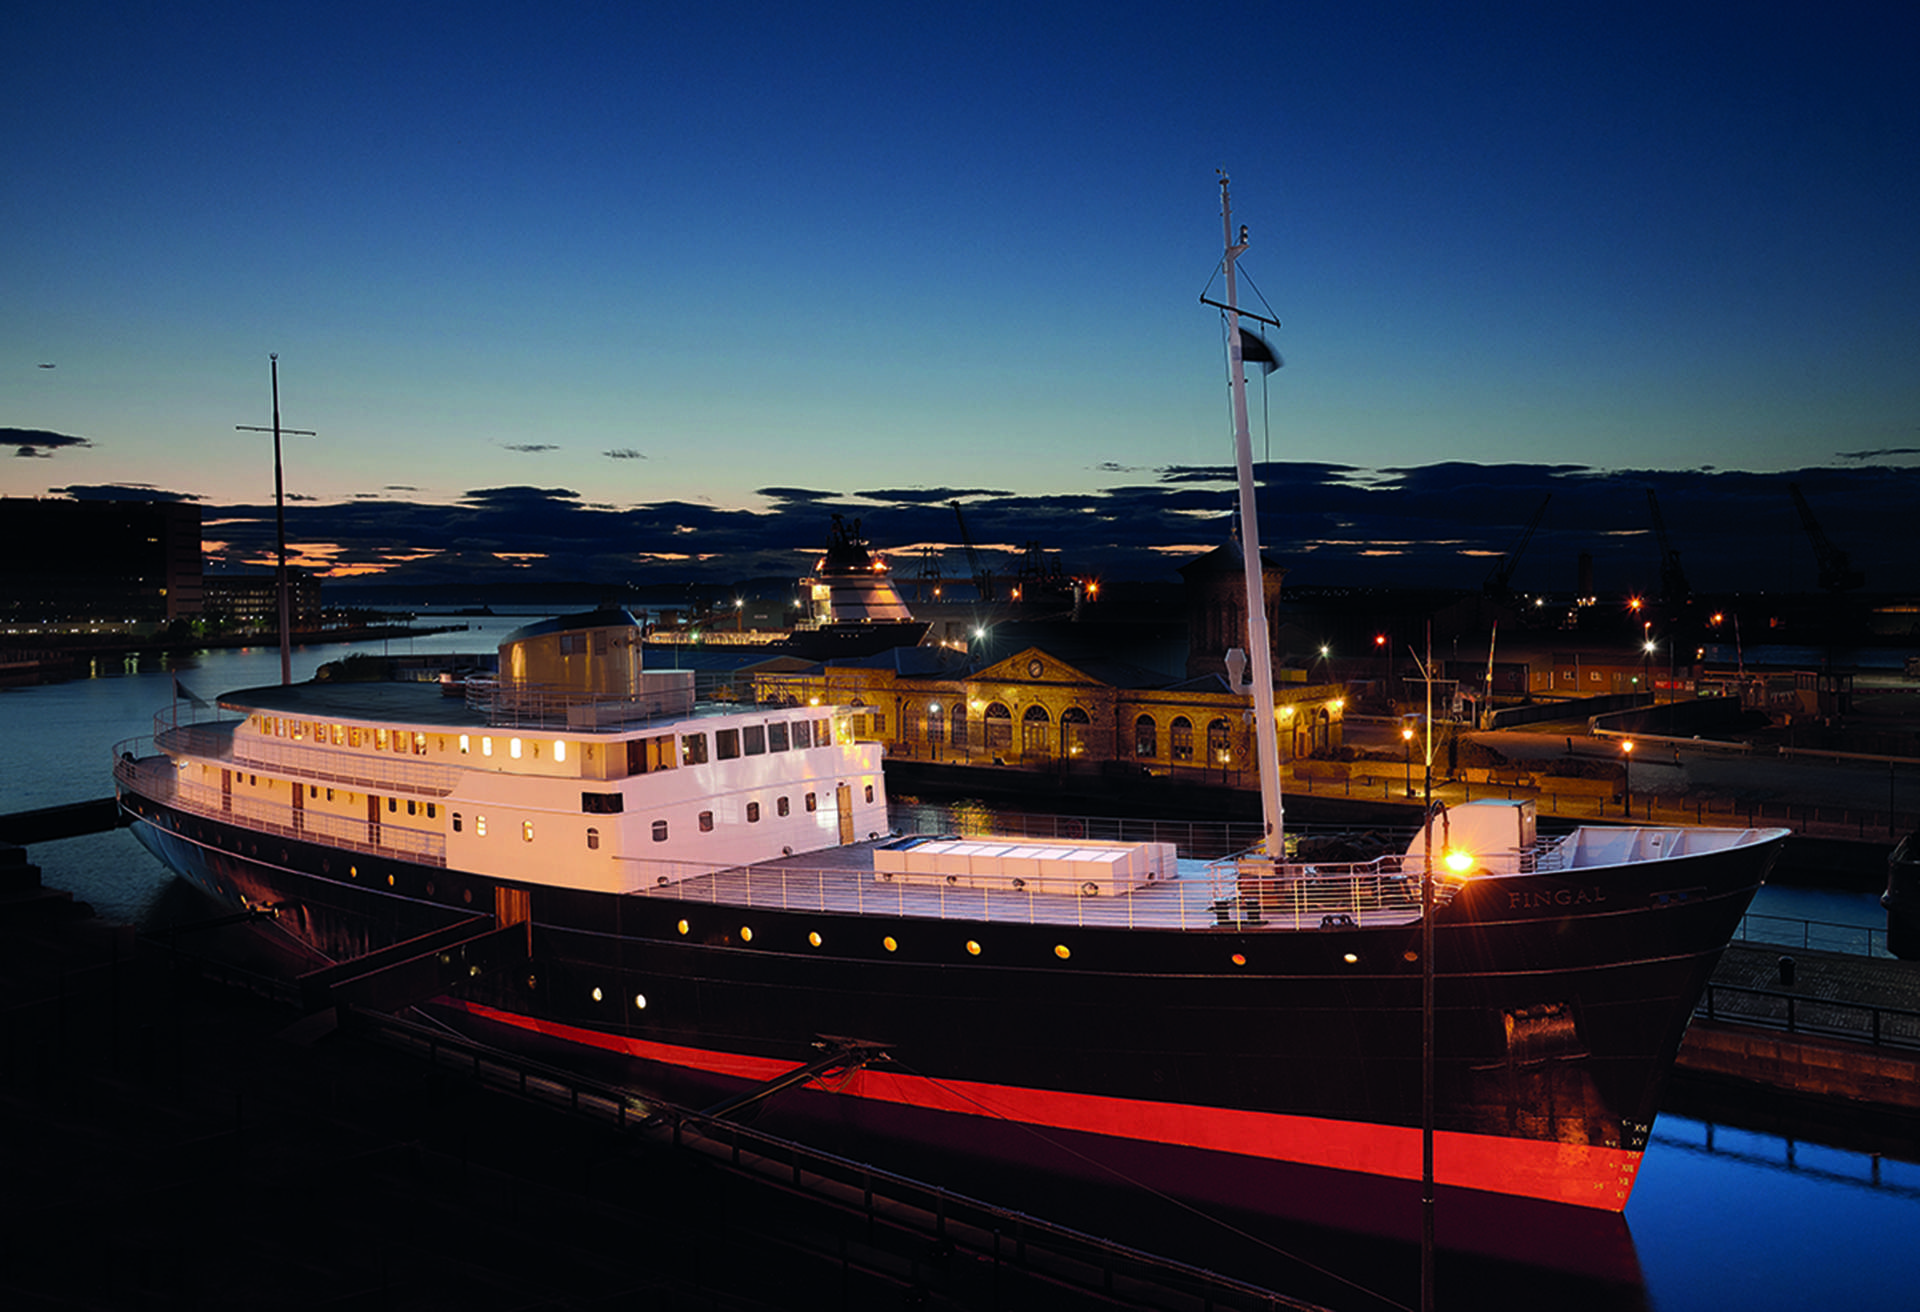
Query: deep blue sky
[(651, 257)]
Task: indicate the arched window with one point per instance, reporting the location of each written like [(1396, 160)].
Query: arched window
[(1036, 737), (1146, 739), (1180, 739), (1220, 743), (958, 734), (999, 727), (935, 729), (1074, 728)]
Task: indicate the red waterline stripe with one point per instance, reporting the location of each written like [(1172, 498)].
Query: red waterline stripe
[(1578, 1174)]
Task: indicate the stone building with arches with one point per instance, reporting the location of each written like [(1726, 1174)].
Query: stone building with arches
[(1036, 710)]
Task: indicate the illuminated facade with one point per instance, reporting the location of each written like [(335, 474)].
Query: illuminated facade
[(1035, 711)]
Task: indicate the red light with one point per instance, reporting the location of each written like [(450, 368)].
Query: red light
[(1379, 639)]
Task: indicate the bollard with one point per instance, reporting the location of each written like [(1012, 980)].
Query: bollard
[(1786, 972)]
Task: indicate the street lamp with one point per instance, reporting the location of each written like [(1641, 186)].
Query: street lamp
[(1626, 761), (1646, 670), (1406, 738)]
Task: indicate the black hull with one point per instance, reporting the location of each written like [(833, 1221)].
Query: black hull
[(1560, 1006)]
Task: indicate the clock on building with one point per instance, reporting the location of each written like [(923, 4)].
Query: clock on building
[(1034, 668)]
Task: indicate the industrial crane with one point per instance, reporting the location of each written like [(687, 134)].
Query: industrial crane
[(1673, 579), (1501, 574), (982, 578), (1837, 573)]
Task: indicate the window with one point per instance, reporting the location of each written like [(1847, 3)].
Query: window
[(339, 735), (602, 803), (480, 825), (803, 733), (431, 810), (999, 728), (693, 749), (486, 747), (380, 739), (353, 735), (1219, 742), (813, 801), (419, 744), (777, 737), (593, 840), (1146, 739), (659, 831), (753, 813), (456, 822), (1036, 731), (393, 804), (466, 744), (559, 749), (706, 822), (780, 807), (957, 733), (645, 755), (879, 719), (526, 831), (513, 748), (754, 739), (413, 807), (869, 792), (1180, 739), (726, 744)]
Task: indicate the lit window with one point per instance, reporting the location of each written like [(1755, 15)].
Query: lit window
[(1061, 951), (486, 747), (526, 831), (466, 744), (890, 943), (380, 737), (559, 750), (746, 934), (480, 825), (640, 1001), (513, 748), (814, 938), (420, 744)]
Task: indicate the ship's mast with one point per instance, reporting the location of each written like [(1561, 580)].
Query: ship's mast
[(1260, 651)]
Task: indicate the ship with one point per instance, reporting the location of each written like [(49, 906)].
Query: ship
[(715, 893)]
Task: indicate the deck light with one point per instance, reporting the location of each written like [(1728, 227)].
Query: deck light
[(1459, 863)]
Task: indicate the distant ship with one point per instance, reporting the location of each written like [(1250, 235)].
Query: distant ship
[(717, 892)]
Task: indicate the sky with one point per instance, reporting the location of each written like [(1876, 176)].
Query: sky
[(644, 288)]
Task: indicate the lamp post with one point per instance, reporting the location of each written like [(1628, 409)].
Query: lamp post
[(1626, 761), (1406, 739)]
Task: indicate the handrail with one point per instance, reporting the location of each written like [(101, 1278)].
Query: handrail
[(1840, 940), (1882, 1027)]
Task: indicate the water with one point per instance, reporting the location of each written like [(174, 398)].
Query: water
[(1721, 1217)]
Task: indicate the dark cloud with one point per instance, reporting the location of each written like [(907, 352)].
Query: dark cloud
[(1883, 451), (120, 492), (530, 448), (624, 453), (38, 443), (1445, 524)]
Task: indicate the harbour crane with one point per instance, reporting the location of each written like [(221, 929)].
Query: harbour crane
[(1673, 579), (1501, 575), (982, 577), (1837, 573)]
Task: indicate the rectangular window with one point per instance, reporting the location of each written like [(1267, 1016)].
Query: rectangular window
[(822, 733), (693, 749), (813, 801), (380, 740), (802, 733), (393, 804), (706, 822), (726, 744), (777, 737), (412, 807), (754, 739), (593, 839), (480, 825), (645, 755), (466, 744), (526, 831), (780, 807), (353, 735), (659, 831), (431, 810), (869, 792), (602, 803), (879, 722), (456, 822), (753, 813)]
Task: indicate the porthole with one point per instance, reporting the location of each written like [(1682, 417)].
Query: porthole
[(973, 948), (639, 1002), (466, 895), (1062, 951), (353, 872), (389, 881), (890, 944), (429, 888), (596, 993), (1350, 958), (682, 927), (746, 933), (814, 938), (1239, 959)]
